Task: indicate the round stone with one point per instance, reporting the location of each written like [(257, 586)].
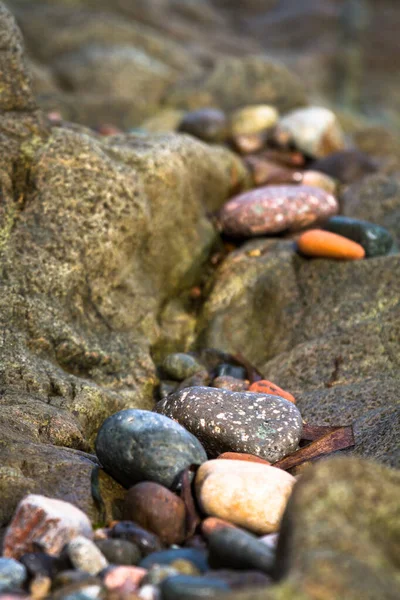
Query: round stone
[(179, 366), (119, 552), (317, 179), (139, 445), (233, 548), (157, 509), (207, 124), (253, 119), (272, 209), (146, 542), (12, 574), (376, 240), (186, 587), (86, 556), (169, 557), (268, 426), (251, 495)]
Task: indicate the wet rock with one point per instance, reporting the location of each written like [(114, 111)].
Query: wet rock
[(253, 119), (135, 445), (12, 574), (86, 556), (207, 124), (267, 387), (44, 521), (146, 542), (237, 549), (180, 366), (119, 552), (166, 557), (158, 510), (314, 130), (123, 579), (224, 421), (316, 179), (347, 166), (376, 240), (248, 494), (324, 244), (185, 587), (271, 209), (227, 382)]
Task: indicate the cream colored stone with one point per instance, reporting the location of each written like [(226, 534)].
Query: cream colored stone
[(317, 179), (251, 495), (253, 119), (314, 130)]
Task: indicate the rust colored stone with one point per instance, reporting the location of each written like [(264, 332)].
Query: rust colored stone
[(267, 387), (158, 510), (242, 456), (212, 524), (324, 244)]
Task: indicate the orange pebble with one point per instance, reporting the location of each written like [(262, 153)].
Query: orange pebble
[(243, 456), (267, 387), (325, 244), (212, 524)]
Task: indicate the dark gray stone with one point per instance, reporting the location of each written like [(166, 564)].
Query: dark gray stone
[(241, 580), (186, 587), (201, 378), (119, 552), (179, 366), (138, 445), (376, 240), (146, 542), (231, 371), (207, 124), (197, 557), (225, 421), (347, 166), (12, 574), (237, 549), (167, 387)]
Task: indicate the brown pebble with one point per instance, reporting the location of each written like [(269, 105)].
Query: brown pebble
[(212, 524), (40, 587), (242, 456), (157, 509), (233, 384), (266, 172)]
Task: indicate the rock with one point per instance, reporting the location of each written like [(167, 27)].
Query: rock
[(157, 573), (267, 387), (199, 379), (166, 557), (137, 445), (243, 456), (264, 425), (316, 179), (207, 124), (186, 587), (158, 510), (227, 382), (12, 574), (248, 494), (149, 592), (271, 540), (211, 524), (119, 552), (268, 172), (272, 209), (146, 542), (234, 548), (179, 366), (231, 371), (86, 556), (90, 590), (247, 144), (314, 130), (242, 580), (124, 580), (40, 587), (185, 567), (376, 240), (166, 388), (253, 119), (324, 244), (347, 165), (73, 578), (44, 521), (39, 564)]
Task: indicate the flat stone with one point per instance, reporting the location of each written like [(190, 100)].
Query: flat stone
[(45, 521), (250, 495), (314, 130), (119, 552), (376, 240), (253, 119), (234, 548), (86, 556), (272, 209), (138, 445), (261, 424), (186, 587), (179, 366), (207, 124), (168, 557), (146, 542), (12, 574), (124, 579), (157, 509)]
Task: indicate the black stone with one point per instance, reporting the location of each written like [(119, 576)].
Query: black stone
[(39, 563), (146, 542), (120, 552), (238, 549), (376, 240), (207, 124), (197, 557), (231, 371), (238, 580), (186, 587), (347, 166), (224, 421), (139, 445)]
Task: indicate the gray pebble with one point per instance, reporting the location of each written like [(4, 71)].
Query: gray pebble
[(86, 556), (12, 574), (180, 366)]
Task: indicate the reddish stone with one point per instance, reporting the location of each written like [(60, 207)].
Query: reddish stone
[(324, 244), (108, 129), (157, 509), (44, 521), (212, 524), (124, 580), (242, 456), (267, 387)]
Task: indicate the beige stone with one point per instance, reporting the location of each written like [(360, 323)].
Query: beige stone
[(253, 119), (251, 495), (317, 179)]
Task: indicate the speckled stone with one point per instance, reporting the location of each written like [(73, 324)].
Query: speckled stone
[(86, 556), (226, 382), (185, 587), (119, 552), (146, 542), (207, 124), (272, 209), (376, 240), (261, 424), (250, 495), (253, 119), (179, 366), (139, 445), (167, 557), (234, 548), (12, 574)]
